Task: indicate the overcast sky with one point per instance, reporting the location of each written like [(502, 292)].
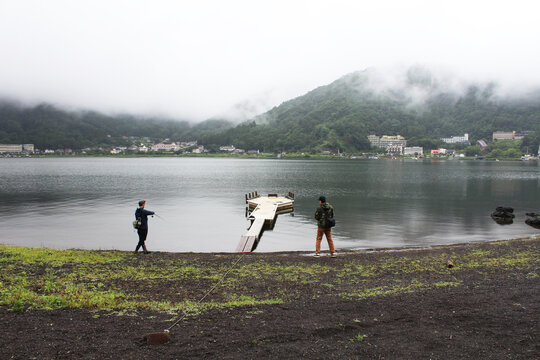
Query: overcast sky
[(197, 59)]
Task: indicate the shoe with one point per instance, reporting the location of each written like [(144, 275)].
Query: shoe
[(147, 252), (334, 254), (317, 255)]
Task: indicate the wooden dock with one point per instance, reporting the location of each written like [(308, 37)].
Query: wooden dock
[(263, 211)]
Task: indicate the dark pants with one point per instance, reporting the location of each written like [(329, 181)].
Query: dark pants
[(142, 238)]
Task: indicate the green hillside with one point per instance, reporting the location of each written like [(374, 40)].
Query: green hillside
[(341, 115)]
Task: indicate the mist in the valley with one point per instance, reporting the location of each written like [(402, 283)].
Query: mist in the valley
[(234, 60)]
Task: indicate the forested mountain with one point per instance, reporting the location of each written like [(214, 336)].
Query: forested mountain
[(415, 104), (420, 107), (49, 127)]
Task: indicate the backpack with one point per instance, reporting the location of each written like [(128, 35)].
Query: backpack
[(330, 221), (137, 223)]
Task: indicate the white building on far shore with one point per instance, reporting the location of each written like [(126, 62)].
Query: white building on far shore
[(457, 139), (413, 150), (229, 148), (165, 147)]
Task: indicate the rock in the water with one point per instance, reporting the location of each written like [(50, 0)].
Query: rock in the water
[(503, 215), (533, 220)]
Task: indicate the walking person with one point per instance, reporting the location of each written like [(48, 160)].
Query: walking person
[(142, 230), (324, 212)]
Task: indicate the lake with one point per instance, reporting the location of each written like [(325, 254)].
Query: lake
[(88, 203)]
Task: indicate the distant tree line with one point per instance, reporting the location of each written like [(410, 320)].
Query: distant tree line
[(48, 127)]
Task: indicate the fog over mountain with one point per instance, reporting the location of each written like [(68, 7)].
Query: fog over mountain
[(234, 59)]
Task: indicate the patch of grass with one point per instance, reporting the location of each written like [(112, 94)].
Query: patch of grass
[(447, 284), (509, 260), (358, 338), (25, 255), (385, 290), (244, 300), (56, 294)]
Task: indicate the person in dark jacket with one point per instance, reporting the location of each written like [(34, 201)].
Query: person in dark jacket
[(143, 229), (323, 212)]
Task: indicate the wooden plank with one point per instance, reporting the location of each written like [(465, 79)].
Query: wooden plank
[(256, 227), (246, 243), (250, 243)]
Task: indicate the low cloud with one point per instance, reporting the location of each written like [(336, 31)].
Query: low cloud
[(197, 60)]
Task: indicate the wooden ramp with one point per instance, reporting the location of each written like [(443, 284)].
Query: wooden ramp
[(263, 211)]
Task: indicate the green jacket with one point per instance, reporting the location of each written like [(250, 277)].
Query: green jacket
[(323, 211)]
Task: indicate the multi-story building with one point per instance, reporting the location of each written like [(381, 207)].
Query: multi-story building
[(11, 148), (387, 141), (456, 139), (510, 135), (504, 135), (373, 140), (392, 144)]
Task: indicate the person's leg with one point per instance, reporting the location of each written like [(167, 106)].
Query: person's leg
[(328, 233), (144, 234), (318, 241), (142, 238)]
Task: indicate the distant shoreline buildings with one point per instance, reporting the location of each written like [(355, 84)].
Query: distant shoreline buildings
[(16, 148)]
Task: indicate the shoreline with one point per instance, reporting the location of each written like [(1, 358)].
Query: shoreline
[(406, 303), (266, 156), (295, 252)]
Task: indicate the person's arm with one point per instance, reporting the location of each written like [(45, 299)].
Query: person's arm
[(318, 214), (148, 212)]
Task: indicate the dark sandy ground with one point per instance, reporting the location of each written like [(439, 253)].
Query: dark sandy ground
[(362, 305)]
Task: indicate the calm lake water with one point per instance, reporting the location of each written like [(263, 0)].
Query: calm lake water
[(89, 202)]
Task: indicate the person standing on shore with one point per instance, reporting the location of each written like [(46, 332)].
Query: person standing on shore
[(324, 212), (142, 230)]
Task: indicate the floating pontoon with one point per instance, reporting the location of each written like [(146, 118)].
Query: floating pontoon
[(263, 211)]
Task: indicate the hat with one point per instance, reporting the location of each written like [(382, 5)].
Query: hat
[(322, 199), (141, 203)]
